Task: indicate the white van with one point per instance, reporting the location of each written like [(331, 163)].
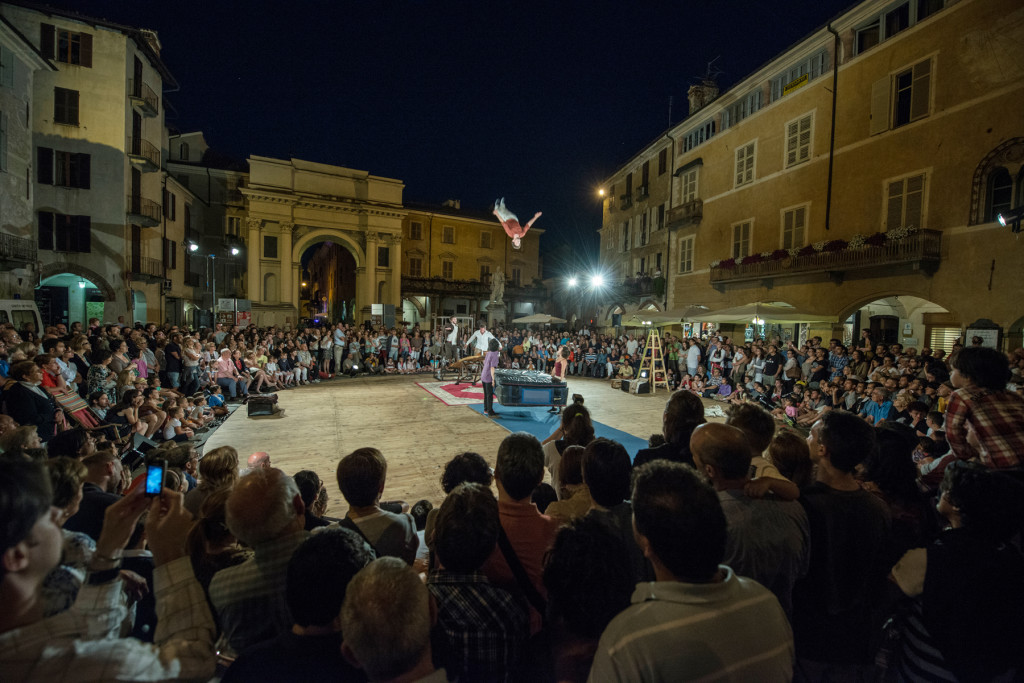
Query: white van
[(21, 313)]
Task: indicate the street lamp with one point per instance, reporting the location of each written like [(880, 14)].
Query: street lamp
[(573, 281), (1011, 219)]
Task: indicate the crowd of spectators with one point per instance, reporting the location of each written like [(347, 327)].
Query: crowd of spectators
[(745, 550)]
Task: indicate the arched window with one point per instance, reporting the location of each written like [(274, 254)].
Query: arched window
[(999, 193), (270, 288), (183, 151)]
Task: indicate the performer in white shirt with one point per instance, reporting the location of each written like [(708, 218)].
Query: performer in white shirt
[(452, 339), (480, 339)]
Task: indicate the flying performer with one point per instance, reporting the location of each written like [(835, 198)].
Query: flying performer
[(510, 222)]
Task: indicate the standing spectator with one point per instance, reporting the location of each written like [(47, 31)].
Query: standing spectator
[(361, 477), (983, 419), (265, 512), (684, 411), (850, 530), (699, 620), (173, 361), (484, 627)]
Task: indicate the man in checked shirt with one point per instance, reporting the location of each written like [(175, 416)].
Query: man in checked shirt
[(82, 644)]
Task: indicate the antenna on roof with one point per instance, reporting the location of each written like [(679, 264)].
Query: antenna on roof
[(710, 74), (669, 111)]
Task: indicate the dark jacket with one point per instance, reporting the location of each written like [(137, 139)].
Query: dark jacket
[(27, 407)]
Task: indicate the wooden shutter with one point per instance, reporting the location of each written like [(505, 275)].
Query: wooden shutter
[(914, 200), (82, 238), (881, 90), (7, 65), (3, 141), (84, 167), (44, 166), (46, 230), (920, 94), (47, 40), (85, 53), (894, 207)]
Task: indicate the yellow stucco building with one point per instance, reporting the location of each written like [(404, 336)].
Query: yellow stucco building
[(855, 178)]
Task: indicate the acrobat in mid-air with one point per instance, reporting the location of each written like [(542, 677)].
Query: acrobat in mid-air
[(510, 222)]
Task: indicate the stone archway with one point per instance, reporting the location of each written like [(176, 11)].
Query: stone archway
[(53, 269)]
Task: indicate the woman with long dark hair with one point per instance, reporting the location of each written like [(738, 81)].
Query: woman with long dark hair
[(576, 429)]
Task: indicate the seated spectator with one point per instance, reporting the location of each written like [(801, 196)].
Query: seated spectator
[(464, 467), (218, 469), (576, 429), (767, 540), (683, 412), (386, 621), (519, 468), (589, 581), (834, 605), (28, 403), (699, 619), (788, 452), (758, 427), (484, 628), (82, 643), (210, 544), (575, 500), (543, 496), (983, 419), (318, 577), (264, 511), (20, 438), (310, 484), (361, 477), (73, 443), (879, 408), (959, 625), (61, 585), (104, 481)]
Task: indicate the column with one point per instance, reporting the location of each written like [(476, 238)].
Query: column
[(296, 291), (285, 249), (252, 275), (394, 243), (363, 300)]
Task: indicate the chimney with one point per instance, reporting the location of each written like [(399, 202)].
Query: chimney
[(701, 95), (149, 35), (452, 204)]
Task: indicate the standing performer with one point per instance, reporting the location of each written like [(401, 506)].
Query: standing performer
[(487, 376), (510, 222), (481, 340), (559, 370), (451, 338)]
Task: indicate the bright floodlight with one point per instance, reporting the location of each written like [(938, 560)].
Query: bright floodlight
[(573, 282), (193, 246), (234, 251), (597, 281), (600, 193), (1002, 220)]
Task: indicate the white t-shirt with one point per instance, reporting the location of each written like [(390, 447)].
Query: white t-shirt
[(169, 432)]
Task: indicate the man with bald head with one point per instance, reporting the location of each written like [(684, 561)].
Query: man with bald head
[(768, 538), (265, 511)]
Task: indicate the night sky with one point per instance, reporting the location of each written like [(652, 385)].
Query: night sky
[(537, 102)]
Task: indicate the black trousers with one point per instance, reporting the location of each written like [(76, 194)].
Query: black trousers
[(488, 397)]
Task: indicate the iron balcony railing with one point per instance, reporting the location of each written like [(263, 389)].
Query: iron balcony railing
[(17, 248)]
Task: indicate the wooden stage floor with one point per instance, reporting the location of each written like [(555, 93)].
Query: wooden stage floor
[(415, 431)]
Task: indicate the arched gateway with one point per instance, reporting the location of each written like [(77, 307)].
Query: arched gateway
[(296, 204)]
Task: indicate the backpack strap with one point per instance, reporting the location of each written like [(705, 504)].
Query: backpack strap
[(349, 524), (529, 590)]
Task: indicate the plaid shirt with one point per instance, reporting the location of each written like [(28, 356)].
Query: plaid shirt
[(837, 363), (250, 597), (997, 420), (484, 627), (82, 644)]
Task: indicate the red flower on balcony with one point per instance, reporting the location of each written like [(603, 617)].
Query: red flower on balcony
[(779, 254), (806, 250), (753, 258), (728, 263), (876, 240), (836, 245)]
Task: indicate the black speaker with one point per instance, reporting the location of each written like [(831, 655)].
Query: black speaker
[(625, 385), (259, 406), (644, 387)]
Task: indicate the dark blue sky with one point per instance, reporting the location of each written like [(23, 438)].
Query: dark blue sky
[(534, 101)]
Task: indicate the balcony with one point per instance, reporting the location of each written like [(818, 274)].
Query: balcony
[(146, 269), (471, 289), (642, 193), (143, 97), (625, 201), (16, 251), (918, 251), (686, 213), (143, 154), (142, 211)]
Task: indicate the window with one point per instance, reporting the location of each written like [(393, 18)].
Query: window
[(517, 277), (3, 141), (688, 185), (269, 246), (663, 161), (65, 106), (415, 267), (448, 270), (63, 169), (448, 234), (657, 261), (59, 232), (794, 227), (745, 164), (234, 226), (741, 240), (74, 48), (942, 337), (741, 109), (696, 136), (415, 230), (798, 140), (643, 228), (661, 217), (892, 20), (905, 202), (686, 254), (485, 273), (625, 236), (799, 74), (485, 239), (183, 151), (926, 8), (1000, 193), (897, 20), (170, 255), (170, 205), (6, 67), (910, 99), (383, 257)]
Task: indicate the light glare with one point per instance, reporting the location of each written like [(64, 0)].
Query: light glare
[(573, 282), (597, 281)]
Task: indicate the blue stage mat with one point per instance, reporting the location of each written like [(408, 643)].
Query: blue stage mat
[(540, 423)]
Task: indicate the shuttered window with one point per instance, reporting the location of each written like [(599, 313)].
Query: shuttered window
[(794, 222), (65, 106), (745, 164), (798, 140), (905, 202), (942, 337)]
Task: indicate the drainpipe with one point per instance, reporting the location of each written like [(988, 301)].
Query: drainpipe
[(668, 239), (832, 133)]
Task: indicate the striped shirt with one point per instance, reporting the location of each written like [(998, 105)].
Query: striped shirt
[(674, 631)]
